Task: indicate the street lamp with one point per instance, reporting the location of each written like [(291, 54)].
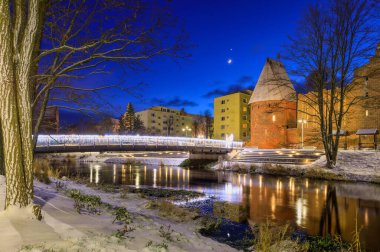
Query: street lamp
[(186, 129), (302, 122)]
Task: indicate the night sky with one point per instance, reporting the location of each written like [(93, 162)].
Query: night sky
[(245, 31)]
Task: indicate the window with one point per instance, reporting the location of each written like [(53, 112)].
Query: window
[(244, 100), (366, 113), (244, 125), (222, 126), (223, 110), (244, 134), (222, 135), (223, 118), (244, 109), (153, 115), (223, 102), (273, 118), (244, 117)]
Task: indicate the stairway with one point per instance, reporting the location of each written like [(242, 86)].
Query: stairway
[(279, 156)]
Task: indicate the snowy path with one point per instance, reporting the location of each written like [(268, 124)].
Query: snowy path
[(63, 229)]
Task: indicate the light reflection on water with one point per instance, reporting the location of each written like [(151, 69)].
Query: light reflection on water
[(318, 206)]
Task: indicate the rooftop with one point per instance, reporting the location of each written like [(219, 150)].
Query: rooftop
[(273, 84)]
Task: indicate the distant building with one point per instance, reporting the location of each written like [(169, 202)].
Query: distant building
[(231, 116), (165, 121), (273, 108)]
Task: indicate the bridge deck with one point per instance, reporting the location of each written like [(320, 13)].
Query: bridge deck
[(86, 143)]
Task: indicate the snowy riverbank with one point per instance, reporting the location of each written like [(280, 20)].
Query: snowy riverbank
[(147, 158), (63, 229), (363, 166)]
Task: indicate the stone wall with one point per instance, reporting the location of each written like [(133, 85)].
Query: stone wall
[(272, 123)]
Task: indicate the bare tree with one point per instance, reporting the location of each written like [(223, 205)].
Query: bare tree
[(208, 123), (45, 44), (333, 39), (80, 37), (169, 123)]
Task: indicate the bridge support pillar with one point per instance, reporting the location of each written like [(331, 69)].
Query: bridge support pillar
[(209, 156)]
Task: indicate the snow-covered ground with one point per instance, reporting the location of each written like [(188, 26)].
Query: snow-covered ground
[(355, 165), (63, 229), (351, 165)]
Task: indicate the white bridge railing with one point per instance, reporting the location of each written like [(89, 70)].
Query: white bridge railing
[(128, 140)]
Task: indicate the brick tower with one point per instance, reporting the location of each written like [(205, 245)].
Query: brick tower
[(273, 109)]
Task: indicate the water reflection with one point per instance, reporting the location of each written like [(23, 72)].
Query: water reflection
[(317, 206)]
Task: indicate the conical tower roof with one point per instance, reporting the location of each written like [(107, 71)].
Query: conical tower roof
[(273, 84)]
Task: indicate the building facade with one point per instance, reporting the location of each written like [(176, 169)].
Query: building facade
[(364, 111), (273, 109), (165, 121), (232, 116)]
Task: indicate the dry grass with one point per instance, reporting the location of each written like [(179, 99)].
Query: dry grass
[(271, 237), (172, 211), (43, 170)]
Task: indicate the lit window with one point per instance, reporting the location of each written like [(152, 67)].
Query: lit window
[(244, 109), (366, 113), (244, 125), (273, 118)]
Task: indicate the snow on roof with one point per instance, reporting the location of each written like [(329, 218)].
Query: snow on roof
[(367, 132), (273, 84)]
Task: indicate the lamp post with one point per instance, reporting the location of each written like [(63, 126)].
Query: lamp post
[(302, 121), (186, 129)]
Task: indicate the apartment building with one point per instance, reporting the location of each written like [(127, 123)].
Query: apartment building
[(232, 116), (165, 121)]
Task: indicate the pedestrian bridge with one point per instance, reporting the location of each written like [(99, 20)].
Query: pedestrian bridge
[(98, 143)]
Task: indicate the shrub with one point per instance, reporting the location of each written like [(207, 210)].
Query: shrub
[(124, 217), (91, 203)]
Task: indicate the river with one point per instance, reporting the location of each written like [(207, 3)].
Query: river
[(317, 206)]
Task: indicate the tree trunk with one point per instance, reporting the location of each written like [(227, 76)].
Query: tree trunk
[(16, 52), (16, 191)]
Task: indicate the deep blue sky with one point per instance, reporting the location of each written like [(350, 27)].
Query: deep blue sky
[(254, 30)]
